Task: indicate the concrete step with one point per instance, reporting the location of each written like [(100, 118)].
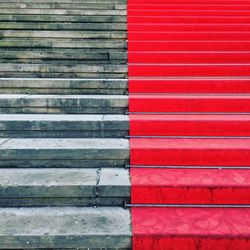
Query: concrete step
[(64, 43), (64, 71), (60, 104), (67, 227), (63, 86), (62, 18), (61, 26), (71, 153), (63, 34), (53, 187), (86, 6), (63, 126), (81, 12)]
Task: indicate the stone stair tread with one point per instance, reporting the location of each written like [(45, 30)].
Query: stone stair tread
[(67, 227), (23, 103), (63, 126), (72, 153), (68, 183), (57, 144)]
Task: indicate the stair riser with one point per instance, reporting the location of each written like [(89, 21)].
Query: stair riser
[(70, 110), (62, 18), (82, 202), (63, 134)]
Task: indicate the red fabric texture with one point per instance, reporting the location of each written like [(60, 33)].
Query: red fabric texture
[(189, 75), (191, 228), (190, 125), (189, 186), (207, 103)]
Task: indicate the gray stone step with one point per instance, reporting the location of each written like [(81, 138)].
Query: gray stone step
[(70, 153), (80, 12), (62, 18), (62, 104), (50, 187), (63, 86), (64, 1), (68, 227), (48, 70), (64, 43), (63, 126), (64, 34), (35, 5), (61, 26)]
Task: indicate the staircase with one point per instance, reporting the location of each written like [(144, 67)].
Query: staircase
[(63, 124)]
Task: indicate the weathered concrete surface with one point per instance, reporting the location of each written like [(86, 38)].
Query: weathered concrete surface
[(62, 86), (64, 152), (63, 104), (63, 126), (81, 187), (67, 227)]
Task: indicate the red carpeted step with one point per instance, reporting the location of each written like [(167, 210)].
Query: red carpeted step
[(191, 228), (189, 57), (188, 19), (190, 152), (174, 103), (190, 125), (190, 85), (189, 2), (180, 12), (191, 6), (188, 27), (190, 186), (189, 36), (189, 70), (174, 46)]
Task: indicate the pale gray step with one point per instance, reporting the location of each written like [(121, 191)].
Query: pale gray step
[(63, 34), (64, 43), (64, 126), (61, 26), (65, 227), (62, 18), (35, 5), (65, 1), (63, 75), (59, 55), (57, 187), (80, 12), (72, 153), (10, 67), (62, 104), (63, 86)]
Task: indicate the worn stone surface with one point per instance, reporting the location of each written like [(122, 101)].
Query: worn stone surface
[(81, 187), (67, 227), (63, 126), (63, 104)]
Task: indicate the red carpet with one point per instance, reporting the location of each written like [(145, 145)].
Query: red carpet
[(189, 103)]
